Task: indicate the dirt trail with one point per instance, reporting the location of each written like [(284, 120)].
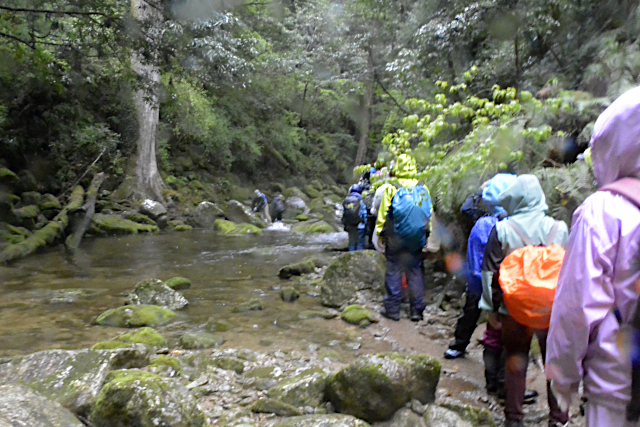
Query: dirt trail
[(462, 379)]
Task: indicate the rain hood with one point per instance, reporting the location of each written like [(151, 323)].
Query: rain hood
[(615, 143), (524, 196)]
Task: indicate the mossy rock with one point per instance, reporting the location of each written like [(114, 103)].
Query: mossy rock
[(303, 267), (137, 398), (165, 363), (289, 294), (350, 273), (106, 225), (139, 218), (239, 213), (30, 198), (217, 326), (306, 389), (261, 372), (27, 212), (302, 217), (135, 316), (252, 305), (178, 283), (357, 315), (313, 227), (229, 364), (224, 226), (266, 405), (6, 175), (326, 420), (437, 416), (145, 336), (316, 314), (179, 226), (405, 417), (375, 386), (243, 229), (49, 202), (200, 340), (155, 292), (475, 415), (295, 192), (312, 192), (20, 406)]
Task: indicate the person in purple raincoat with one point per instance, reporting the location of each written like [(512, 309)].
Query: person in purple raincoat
[(600, 277)]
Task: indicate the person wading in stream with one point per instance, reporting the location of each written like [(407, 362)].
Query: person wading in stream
[(403, 225), (594, 321), (527, 225), (260, 205)]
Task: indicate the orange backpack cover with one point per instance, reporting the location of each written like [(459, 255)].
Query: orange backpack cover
[(528, 278)]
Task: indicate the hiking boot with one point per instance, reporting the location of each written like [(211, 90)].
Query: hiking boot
[(530, 397), (416, 315), (388, 315), (453, 354)]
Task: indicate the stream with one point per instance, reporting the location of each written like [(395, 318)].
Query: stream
[(51, 299)]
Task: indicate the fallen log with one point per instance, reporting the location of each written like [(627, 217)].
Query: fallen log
[(73, 241), (47, 234)]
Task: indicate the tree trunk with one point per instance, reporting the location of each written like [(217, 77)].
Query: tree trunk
[(73, 241), (365, 120), (148, 180)]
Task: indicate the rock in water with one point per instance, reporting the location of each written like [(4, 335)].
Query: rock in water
[(375, 386), (350, 273), (20, 406), (206, 214), (332, 420), (155, 292), (135, 316), (237, 212), (137, 398)]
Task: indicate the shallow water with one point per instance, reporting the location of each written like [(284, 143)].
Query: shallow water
[(50, 300)]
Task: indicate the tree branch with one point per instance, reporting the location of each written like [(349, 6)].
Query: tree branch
[(53, 12), (395, 101), (14, 38)]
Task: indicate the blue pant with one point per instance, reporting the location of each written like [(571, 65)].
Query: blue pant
[(356, 238), (409, 263)]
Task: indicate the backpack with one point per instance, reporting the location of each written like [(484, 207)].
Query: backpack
[(528, 278), (411, 209), (351, 205), (629, 188)]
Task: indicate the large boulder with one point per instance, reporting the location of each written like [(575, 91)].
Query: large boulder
[(375, 386), (237, 212), (310, 227), (295, 192), (145, 336), (156, 292), (294, 206), (107, 225), (20, 406), (306, 389), (137, 398), (351, 273), (331, 420), (206, 214), (437, 416), (405, 417), (135, 316), (152, 209), (71, 378)]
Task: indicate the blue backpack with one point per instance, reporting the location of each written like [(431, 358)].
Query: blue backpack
[(411, 215)]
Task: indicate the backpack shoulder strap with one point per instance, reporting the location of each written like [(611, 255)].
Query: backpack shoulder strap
[(397, 185), (552, 233), (626, 187), (519, 231)]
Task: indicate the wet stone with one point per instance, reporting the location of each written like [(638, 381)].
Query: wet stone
[(200, 340), (20, 406), (289, 294), (252, 305)]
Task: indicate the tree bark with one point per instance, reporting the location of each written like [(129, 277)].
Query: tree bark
[(149, 183), (90, 208), (365, 122)]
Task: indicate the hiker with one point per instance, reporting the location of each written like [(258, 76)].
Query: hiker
[(354, 218), (375, 205), (527, 225), (277, 208), (475, 252), (260, 205), (597, 292), (404, 236)]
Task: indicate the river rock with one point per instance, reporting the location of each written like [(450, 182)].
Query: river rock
[(239, 213), (107, 225), (252, 305), (20, 406), (303, 267), (350, 273), (404, 418), (312, 192), (437, 416), (375, 386), (292, 192), (358, 315), (71, 378), (178, 283), (330, 420), (273, 406), (137, 398), (155, 292), (306, 389), (49, 202), (310, 227), (145, 336), (152, 209), (135, 316), (200, 340), (206, 214), (294, 206), (474, 415)]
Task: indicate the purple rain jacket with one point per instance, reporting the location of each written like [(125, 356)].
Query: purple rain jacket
[(601, 269)]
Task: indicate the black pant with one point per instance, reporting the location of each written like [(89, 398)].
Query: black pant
[(467, 323)]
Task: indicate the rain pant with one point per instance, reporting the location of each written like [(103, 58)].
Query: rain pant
[(600, 274)]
